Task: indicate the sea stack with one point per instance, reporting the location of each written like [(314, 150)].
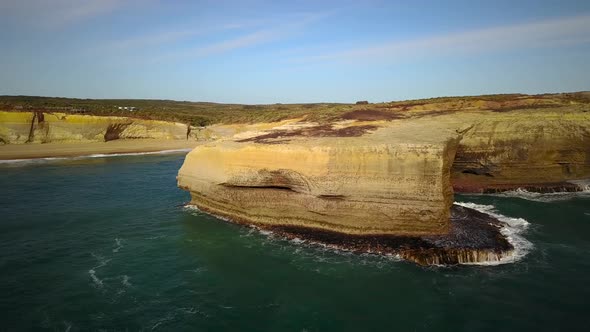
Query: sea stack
[(361, 185)]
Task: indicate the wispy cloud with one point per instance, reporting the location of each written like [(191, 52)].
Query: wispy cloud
[(555, 32), (178, 33), (57, 13), (277, 30)]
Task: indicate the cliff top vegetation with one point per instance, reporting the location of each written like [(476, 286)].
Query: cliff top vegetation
[(205, 113)]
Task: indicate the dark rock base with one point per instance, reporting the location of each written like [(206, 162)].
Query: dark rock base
[(474, 237)]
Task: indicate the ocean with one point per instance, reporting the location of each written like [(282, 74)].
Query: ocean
[(106, 244)]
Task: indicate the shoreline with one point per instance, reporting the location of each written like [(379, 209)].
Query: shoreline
[(17, 152)]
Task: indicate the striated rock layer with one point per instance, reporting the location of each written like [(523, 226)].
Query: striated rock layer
[(537, 151)]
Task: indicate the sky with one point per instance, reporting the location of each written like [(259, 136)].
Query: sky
[(292, 51)]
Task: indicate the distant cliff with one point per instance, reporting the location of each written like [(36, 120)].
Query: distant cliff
[(45, 127), (534, 150)]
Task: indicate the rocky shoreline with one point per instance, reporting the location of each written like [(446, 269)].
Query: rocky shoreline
[(473, 238)]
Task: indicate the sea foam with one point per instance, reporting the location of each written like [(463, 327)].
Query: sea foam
[(544, 197), (512, 229), (583, 185)]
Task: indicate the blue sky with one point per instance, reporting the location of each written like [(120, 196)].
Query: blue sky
[(292, 51)]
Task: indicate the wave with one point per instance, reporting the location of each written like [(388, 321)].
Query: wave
[(545, 197), (96, 155), (118, 244), (198, 212), (97, 282), (92, 272), (125, 280), (512, 229)]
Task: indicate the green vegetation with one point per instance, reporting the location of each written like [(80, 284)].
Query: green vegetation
[(195, 113), (201, 113)]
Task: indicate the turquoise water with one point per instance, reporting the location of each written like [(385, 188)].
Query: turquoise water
[(103, 244)]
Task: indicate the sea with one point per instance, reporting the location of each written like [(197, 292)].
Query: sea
[(106, 243)]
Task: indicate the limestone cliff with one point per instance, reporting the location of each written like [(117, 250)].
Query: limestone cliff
[(388, 172), (43, 127)]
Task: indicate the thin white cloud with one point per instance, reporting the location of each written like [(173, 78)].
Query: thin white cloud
[(156, 38), (172, 34), (556, 32), (276, 32), (248, 40)]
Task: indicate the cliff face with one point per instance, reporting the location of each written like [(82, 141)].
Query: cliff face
[(40, 127), (373, 173), (539, 151), (366, 184)]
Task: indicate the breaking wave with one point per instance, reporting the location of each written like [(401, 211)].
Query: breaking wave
[(544, 197), (512, 229), (583, 185)]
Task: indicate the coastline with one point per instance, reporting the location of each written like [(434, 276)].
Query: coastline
[(78, 149)]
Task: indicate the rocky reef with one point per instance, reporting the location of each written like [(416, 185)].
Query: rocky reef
[(382, 180)]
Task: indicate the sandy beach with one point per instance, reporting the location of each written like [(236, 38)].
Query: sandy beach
[(75, 149)]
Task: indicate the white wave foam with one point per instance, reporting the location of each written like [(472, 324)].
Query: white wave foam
[(512, 230), (95, 279), (548, 197), (96, 155), (155, 237), (197, 212), (92, 272), (169, 317), (189, 310), (118, 244), (125, 281)]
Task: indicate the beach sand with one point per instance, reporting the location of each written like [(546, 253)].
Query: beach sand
[(29, 151)]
